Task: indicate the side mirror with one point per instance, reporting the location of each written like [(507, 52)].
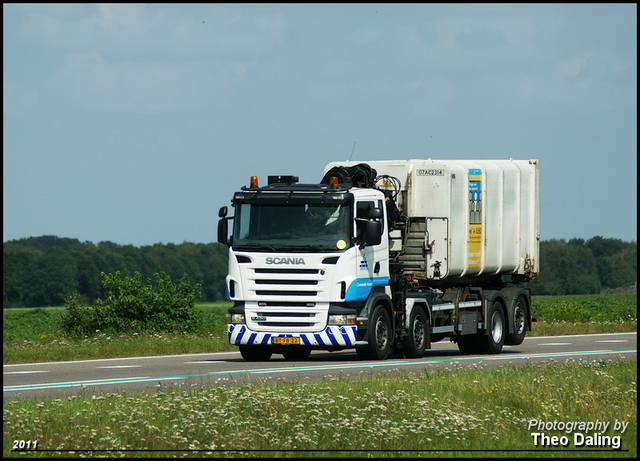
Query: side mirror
[(375, 213), (373, 229), (373, 233), (223, 232), (223, 228)]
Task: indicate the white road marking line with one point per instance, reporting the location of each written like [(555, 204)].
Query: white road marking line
[(24, 372), (164, 357), (122, 366)]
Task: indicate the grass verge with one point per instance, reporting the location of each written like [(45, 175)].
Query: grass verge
[(463, 412)]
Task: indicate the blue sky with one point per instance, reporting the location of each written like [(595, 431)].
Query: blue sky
[(136, 123)]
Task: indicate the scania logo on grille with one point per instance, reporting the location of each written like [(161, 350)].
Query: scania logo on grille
[(285, 260)]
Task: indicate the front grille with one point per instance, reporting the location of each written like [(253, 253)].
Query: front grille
[(285, 293), (286, 271), (284, 316), (286, 319), (285, 282), (268, 319), (286, 299), (285, 304)]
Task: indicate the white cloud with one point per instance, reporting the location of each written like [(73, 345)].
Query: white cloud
[(130, 18), (146, 30), (93, 81), (595, 80), (465, 41)]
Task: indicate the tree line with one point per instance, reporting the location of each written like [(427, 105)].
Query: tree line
[(42, 271), (581, 266)]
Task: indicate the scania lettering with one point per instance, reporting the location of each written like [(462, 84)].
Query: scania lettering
[(285, 261), (384, 257)]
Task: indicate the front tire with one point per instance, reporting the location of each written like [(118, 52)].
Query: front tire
[(296, 353), (256, 353), (379, 336)]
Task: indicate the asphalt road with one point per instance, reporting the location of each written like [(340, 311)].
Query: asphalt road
[(136, 374)]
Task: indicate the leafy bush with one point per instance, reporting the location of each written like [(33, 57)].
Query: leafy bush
[(132, 305), (76, 320)]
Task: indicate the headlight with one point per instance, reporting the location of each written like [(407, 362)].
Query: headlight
[(342, 319), (235, 318)]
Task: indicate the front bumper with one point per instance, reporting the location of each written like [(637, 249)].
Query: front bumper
[(331, 336)]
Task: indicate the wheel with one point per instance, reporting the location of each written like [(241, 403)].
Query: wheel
[(255, 353), (296, 353), (519, 323), (469, 344), (496, 325), (363, 353), (379, 336), (416, 342)]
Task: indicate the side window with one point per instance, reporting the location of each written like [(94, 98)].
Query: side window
[(362, 216)]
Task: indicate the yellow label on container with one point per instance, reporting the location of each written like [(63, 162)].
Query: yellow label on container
[(475, 218), (475, 245)]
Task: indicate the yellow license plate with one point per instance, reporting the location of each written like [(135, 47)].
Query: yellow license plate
[(291, 340)]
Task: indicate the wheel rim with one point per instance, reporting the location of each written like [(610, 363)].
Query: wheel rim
[(496, 327), (381, 334), (518, 318), (418, 332)]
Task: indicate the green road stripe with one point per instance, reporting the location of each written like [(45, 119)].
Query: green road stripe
[(342, 366)]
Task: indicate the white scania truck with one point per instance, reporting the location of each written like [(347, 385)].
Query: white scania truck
[(384, 257)]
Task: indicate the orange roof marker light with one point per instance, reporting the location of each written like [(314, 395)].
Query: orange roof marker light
[(333, 182), (254, 181)]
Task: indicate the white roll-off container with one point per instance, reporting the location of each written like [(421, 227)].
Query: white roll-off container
[(468, 218)]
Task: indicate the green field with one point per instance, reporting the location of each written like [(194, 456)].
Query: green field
[(32, 334), (582, 314)]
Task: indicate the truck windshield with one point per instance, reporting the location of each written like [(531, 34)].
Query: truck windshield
[(292, 227)]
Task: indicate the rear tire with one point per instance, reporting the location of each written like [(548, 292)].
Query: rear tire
[(519, 323), (256, 353), (469, 344), (496, 324), (416, 341)]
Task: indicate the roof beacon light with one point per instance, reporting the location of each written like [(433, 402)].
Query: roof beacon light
[(254, 181), (333, 182)]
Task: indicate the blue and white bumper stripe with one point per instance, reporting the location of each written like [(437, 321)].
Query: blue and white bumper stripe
[(333, 335)]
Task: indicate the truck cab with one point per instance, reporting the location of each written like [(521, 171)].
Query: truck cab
[(303, 260)]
